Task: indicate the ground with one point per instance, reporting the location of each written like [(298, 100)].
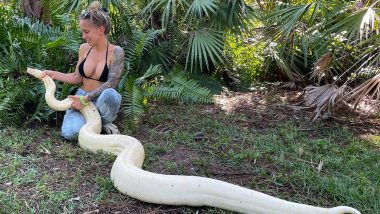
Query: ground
[(259, 139)]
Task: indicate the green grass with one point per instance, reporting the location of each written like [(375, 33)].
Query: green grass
[(42, 173)]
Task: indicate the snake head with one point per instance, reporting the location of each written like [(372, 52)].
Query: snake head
[(34, 72)]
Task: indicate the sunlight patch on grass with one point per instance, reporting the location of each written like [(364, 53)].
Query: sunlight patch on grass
[(373, 139)]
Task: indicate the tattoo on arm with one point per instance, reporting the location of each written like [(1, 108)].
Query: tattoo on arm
[(115, 70)]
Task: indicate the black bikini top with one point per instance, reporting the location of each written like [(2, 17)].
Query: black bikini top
[(103, 77)]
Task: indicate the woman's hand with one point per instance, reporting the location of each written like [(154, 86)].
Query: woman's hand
[(50, 73), (79, 102), (76, 102)]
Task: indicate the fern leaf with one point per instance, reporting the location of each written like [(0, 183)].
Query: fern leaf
[(153, 70), (133, 104), (181, 89)]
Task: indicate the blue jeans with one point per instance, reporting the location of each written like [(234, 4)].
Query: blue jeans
[(108, 104)]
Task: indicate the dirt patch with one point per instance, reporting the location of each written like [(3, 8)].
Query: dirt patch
[(276, 106)]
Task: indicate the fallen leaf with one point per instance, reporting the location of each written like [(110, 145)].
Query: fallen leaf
[(320, 165)]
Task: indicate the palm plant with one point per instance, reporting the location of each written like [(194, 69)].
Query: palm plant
[(290, 30), (205, 25), (336, 44), (149, 74), (77, 5)]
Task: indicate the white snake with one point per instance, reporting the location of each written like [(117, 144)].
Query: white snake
[(130, 179)]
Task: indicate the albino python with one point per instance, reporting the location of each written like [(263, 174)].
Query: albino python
[(130, 179)]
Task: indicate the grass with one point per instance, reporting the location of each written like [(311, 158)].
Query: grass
[(42, 173)]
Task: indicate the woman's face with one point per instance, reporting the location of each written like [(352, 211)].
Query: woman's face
[(90, 33)]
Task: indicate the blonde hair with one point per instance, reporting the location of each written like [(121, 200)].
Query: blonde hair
[(98, 16)]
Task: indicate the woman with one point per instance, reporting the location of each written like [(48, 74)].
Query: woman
[(98, 70)]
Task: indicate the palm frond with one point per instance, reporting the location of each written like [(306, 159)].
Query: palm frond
[(161, 56), (323, 98), (200, 8), (169, 9), (365, 59), (370, 55), (235, 16), (282, 62), (284, 20), (370, 87), (321, 67), (205, 45), (358, 24), (291, 31), (69, 6), (122, 24)]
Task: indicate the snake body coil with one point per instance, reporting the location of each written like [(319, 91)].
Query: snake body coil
[(130, 179)]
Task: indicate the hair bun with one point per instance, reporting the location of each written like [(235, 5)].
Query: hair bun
[(94, 6)]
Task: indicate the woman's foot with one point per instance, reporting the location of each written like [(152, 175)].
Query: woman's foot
[(110, 128)]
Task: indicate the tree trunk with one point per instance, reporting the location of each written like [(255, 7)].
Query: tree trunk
[(36, 10)]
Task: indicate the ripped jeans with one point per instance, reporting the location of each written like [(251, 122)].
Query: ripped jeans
[(108, 104)]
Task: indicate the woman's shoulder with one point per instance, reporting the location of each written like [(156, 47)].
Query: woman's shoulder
[(83, 48), (118, 51), (117, 55)]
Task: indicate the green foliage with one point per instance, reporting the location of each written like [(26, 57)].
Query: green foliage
[(140, 48), (290, 17), (69, 6), (247, 58), (12, 102), (168, 8), (179, 88), (199, 9), (29, 43), (205, 24), (197, 36), (205, 45), (300, 34), (134, 104), (153, 85), (337, 42)]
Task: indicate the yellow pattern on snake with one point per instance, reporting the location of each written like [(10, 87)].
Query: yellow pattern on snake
[(129, 177)]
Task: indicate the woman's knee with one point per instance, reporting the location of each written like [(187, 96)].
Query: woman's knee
[(108, 104), (72, 123), (109, 96), (70, 131), (69, 135)]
